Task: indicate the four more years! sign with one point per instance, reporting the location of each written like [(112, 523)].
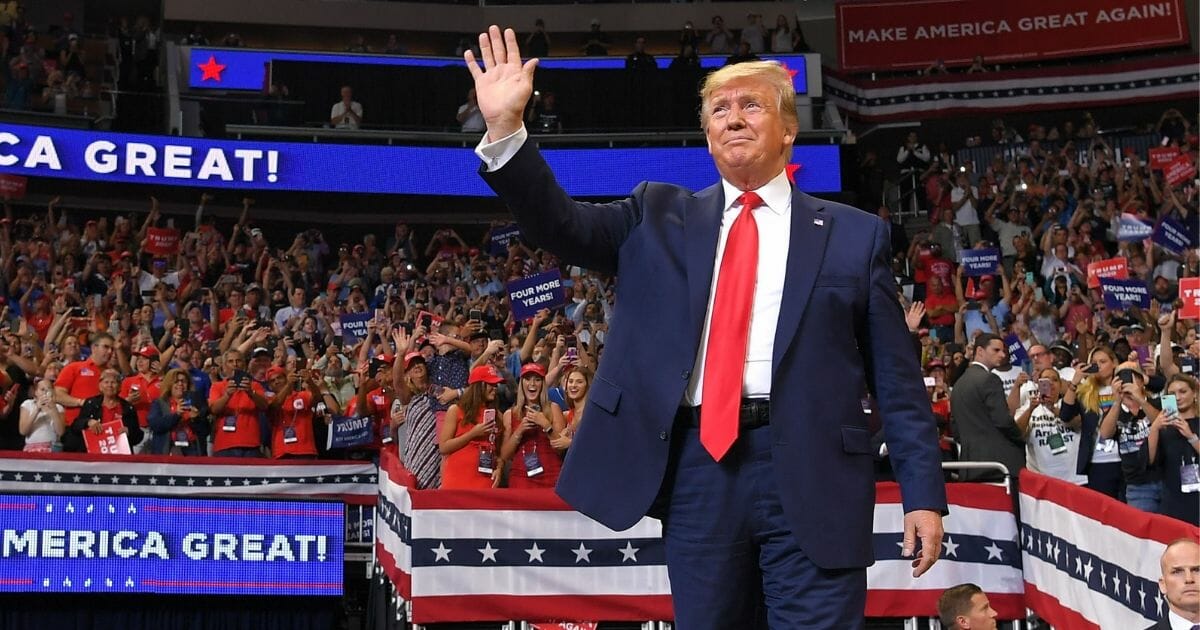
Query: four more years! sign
[(127, 544), (534, 293)]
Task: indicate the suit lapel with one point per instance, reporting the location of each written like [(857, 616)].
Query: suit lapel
[(806, 250), (701, 229)]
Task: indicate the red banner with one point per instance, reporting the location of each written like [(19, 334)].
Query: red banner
[(1110, 268), (1179, 170), (111, 441), (162, 241), (1160, 157), (895, 34), (1189, 292), (12, 186)]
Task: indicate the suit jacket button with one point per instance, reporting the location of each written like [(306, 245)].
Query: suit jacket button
[(686, 374), (662, 435)]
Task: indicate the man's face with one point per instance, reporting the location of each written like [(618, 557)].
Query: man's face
[(992, 355), (981, 615), (1180, 580), (102, 352), (1042, 358), (347, 94), (234, 361), (747, 135), (298, 298)]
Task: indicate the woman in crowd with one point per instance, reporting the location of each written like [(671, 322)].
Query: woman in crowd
[(414, 404), (528, 428), (1174, 446), (1128, 421), (178, 419), (100, 410), (468, 435), (42, 419), (1090, 400), (576, 387), (1051, 445)]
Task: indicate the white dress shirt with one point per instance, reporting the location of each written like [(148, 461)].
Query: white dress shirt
[(1178, 622), (773, 218)]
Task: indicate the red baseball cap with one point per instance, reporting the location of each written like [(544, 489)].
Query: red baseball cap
[(412, 356), (485, 374), (274, 371), (149, 352), (533, 368)]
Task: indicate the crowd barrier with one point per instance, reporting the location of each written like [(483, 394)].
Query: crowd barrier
[(487, 555), (1090, 561)]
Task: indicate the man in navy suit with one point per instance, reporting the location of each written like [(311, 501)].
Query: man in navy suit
[(750, 320)]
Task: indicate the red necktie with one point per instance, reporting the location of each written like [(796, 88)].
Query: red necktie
[(729, 332)]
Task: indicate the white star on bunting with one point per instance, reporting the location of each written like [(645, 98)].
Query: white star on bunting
[(489, 553), (441, 552), (582, 554), (535, 553), (629, 552)]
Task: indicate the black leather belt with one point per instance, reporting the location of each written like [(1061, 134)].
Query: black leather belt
[(753, 413)]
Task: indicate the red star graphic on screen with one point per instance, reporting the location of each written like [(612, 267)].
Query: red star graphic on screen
[(791, 172), (211, 69), (791, 73)]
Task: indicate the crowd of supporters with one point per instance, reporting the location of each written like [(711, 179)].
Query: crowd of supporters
[(1088, 403), (231, 345)]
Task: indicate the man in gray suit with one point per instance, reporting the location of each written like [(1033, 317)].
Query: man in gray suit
[(983, 424)]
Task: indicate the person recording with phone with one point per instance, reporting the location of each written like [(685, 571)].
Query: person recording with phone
[(1173, 445), (1051, 445), (178, 417), (527, 430), (1091, 396), (290, 410), (412, 410), (469, 433), (143, 387), (235, 403), (1128, 421)]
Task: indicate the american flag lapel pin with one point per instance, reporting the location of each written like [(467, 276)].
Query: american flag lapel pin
[(819, 221)]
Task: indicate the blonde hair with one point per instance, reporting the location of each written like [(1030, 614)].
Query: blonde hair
[(168, 382), (1088, 393), (771, 72)]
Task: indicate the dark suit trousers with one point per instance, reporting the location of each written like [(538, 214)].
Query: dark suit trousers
[(731, 556)]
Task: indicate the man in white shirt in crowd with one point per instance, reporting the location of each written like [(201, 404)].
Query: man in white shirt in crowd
[(965, 200), (346, 113)]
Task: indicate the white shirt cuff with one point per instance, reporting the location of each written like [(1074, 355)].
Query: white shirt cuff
[(496, 154)]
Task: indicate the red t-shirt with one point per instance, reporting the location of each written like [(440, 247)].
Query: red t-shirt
[(924, 254), (293, 419), (379, 407), (946, 299), (150, 386), (40, 323), (240, 415), (943, 269), (81, 379)]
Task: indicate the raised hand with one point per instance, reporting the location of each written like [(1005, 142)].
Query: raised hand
[(504, 84)]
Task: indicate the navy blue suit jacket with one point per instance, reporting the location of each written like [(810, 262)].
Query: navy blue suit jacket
[(840, 331)]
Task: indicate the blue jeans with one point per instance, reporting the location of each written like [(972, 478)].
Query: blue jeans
[(1145, 496)]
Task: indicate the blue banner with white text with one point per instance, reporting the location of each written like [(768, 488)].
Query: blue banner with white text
[(136, 544), (372, 169), (349, 431), (534, 293)]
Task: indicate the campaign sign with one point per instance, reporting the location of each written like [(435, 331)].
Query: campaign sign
[(1133, 228), (162, 241), (13, 186), (354, 326), (1108, 268), (111, 441), (1122, 294), (1179, 170), (161, 160), (1171, 235), (1189, 292), (534, 293), (1160, 157), (136, 544), (981, 262), (1016, 350), (349, 431), (501, 236)]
